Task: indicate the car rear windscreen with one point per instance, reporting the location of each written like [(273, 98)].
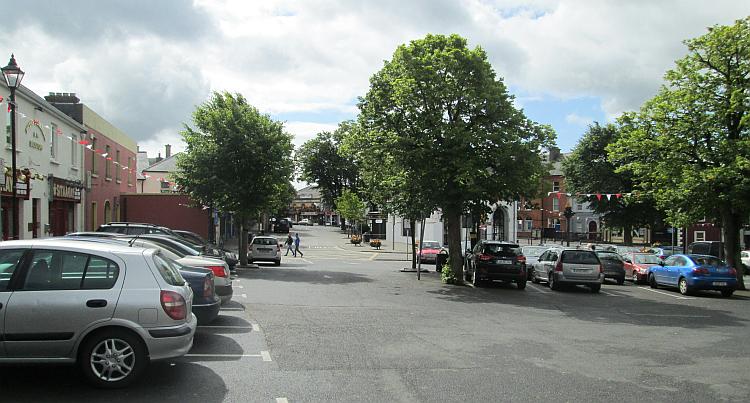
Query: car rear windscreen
[(707, 261), (501, 250), (614, 257), (579, 257), (264, 241)]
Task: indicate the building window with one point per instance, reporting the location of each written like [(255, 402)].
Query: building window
[(7, 128), (53, 148), (520, 225), (555, 204), (529, 224), (117, 165), (94, 158), (130, 176), (108, 164), (73, 150), (699, 236), (555, 186)]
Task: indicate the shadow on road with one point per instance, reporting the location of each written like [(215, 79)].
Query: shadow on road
[(304, 276), (580, 303)]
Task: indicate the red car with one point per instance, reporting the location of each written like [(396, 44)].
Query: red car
[(430, 249), (637, 265)]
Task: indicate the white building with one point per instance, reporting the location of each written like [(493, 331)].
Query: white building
[(49, 162)]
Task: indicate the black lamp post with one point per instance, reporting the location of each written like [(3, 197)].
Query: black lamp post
[(13, 76), (568, 213)]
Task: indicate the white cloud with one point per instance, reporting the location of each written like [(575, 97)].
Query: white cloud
[(304, 131), (575, 119)]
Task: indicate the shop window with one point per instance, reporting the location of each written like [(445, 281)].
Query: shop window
[(699, 236), (108, 163)]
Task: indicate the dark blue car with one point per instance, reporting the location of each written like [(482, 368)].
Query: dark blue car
[(694, 272)]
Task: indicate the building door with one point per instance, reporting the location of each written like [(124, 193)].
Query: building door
[(498, 224), (58, 218), (592, 230)]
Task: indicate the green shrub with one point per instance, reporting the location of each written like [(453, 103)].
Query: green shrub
[(446, 274)]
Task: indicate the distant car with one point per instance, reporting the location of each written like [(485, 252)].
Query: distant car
[(430, 249), (532, 253), (638, 265), (304, 221), (265, 249), (227, 256), (664, 251), (614, 266), (496, 260), (109, 308), (567, 266), (711, 248), (745, 257), (694, 272)]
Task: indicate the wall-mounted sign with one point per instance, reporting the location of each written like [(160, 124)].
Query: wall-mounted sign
[(34, 131), (66, 190)]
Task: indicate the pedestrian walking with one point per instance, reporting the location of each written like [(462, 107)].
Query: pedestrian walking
[(289, 246), (296, 245)]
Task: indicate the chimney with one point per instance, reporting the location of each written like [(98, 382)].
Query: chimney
[(62, 98), (554, 154), (168, 151)]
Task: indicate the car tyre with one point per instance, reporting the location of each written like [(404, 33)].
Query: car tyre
[(534, 279), (621, 280), (595, 288), (475, 280), (112, 353), (727, 293), (652, 281), (552, 283), (683, 286), (277, 262), (635, 277), (521, 285)]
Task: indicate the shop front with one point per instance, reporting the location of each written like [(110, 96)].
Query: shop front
[(6, 199), (65, 196)]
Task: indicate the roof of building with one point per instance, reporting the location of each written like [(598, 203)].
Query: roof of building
[(165, 165)]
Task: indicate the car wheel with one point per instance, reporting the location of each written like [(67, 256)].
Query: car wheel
[(683, 285), (535, 280), (727, 293), (521, 285), (620, 280), (652, 281), (552, 283), (112, 358), (595, 288), (635, 277), (277, 262), (475, 280)]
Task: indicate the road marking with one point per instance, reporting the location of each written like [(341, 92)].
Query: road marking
[(256, 328), (224, 355), (667, 315), (282, 400), (536, 288), (664, 293), (307, 261), (239, 286), (374, 255), (266, 355), (244, 295), (608, 293), (224, 327)]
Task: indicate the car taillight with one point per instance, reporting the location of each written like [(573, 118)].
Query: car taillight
[(208, 287), (732, 271), (700, 271), (485, 257), (521, 259), (174, 305), (601, 268), (558, 266), (218, 271)]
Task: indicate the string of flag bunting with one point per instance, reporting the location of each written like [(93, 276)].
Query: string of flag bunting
[(22, 116), (599, 196)]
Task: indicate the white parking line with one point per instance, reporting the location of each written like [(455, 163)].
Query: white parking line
[(224, 355), (244, 295), (307, 261), (282, 400), (225, 327), (668, 315), (256, 328), (266, 355), (537, 288), (608, 293), (664, 293)]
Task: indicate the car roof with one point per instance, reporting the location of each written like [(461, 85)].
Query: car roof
[(500, 242), (93, 244)]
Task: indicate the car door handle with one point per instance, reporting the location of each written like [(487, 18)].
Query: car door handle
[(96, 303)]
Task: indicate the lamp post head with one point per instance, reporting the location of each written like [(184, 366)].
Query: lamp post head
[(568, 212), (12, 73)]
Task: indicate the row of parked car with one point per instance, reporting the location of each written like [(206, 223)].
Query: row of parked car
[(591, 266), (111, 300)]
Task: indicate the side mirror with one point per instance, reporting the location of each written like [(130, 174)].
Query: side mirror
[(661, 263)]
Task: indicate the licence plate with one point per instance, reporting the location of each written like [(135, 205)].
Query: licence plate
[(504, 262), (719, 283), (264, 250), (580, 270)]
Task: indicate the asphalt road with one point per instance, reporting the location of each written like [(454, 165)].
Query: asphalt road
[(344, 324)]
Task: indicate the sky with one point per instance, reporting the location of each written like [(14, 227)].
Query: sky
[(145, 65)]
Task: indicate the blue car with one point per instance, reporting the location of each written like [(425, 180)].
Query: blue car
[(694, 272)]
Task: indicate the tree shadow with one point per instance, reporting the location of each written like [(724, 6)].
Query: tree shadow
[(306, 276), (580, 303)]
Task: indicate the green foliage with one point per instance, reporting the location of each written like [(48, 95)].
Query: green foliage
[(447, 276), (321, 162), (350, 206), (444, 130), (237, 159)]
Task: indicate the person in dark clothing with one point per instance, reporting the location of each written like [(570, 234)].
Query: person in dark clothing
[(296, 245), (289, 246)]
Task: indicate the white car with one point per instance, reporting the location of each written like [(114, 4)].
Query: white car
[(264, 249), (745, 257), (304, 221)]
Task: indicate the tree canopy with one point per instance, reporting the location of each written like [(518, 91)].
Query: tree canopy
[(448, 125), (689, 146)]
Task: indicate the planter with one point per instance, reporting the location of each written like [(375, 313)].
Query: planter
[(355, 239), (375, 243)]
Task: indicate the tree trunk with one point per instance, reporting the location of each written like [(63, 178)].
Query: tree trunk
[(343, 223), (242, 252), (453, 216), (627, 234), (413, 224), (730, 227)]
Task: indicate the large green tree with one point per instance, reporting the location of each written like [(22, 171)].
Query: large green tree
[(689, 146), (321, 162), (450, 126), (237, 159), (587, 170)]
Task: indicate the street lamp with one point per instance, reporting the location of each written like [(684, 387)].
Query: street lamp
[(13, 76), (568, 213)]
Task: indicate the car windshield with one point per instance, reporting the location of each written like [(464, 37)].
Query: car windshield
[(609, 256), (430, 245), (264, 241), (579, 257), (646, 259), (501, 249), (707, 261), (533, 251)]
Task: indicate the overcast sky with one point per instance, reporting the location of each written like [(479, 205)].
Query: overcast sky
[(144, 64)]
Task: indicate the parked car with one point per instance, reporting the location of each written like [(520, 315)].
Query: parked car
[(614, 266), (282, 226), (264, 249), (664, 251), (210, 250), (566, 266), (711, 248), (694, 272), (304, 221), (532, 253), (133, 228), (430, 249), (496, 260), (637, 265), (109, 308), (745, 257)]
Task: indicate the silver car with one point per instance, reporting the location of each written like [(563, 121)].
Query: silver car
[(109, 308), (264, 249), (561, 266)]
